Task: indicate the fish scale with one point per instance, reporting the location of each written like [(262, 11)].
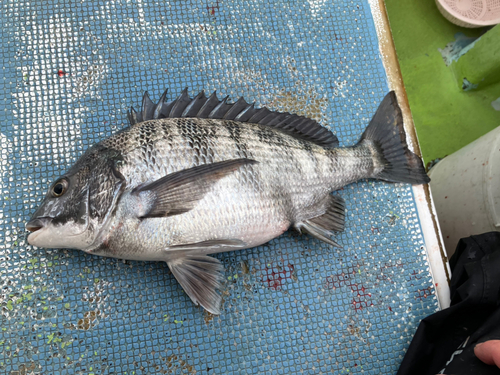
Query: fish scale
[(175, 189)]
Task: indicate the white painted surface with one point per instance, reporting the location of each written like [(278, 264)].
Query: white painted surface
[(439, 267)]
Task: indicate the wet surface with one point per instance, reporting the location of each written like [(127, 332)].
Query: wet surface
[(68, 75)]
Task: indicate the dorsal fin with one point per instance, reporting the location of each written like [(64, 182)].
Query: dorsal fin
[(202, 107)]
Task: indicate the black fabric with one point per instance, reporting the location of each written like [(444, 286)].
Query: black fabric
[(445, 341)]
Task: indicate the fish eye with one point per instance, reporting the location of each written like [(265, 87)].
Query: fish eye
[(59, 188)]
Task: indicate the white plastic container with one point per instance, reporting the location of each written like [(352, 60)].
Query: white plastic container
[(470, 13), (465, 187)]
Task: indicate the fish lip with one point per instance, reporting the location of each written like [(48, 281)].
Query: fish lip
[(38, 223)]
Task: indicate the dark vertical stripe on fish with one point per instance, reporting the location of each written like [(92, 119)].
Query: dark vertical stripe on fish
[(235, 135), (277, 139), (310, 153), (269, 136), (147, 141), (165, 127), (198, 137)]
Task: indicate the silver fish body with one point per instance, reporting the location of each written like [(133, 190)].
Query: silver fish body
[(254, 204), (175, 189)]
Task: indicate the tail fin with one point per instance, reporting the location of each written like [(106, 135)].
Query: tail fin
[(386, 133)]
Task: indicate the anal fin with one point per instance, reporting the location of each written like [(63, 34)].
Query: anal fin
[(323, 226), (334, 217), (200, 276)]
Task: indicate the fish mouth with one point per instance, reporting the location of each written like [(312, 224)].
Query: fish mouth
[(36, 224)]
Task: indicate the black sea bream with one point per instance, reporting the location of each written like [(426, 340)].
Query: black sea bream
[(192, 177)]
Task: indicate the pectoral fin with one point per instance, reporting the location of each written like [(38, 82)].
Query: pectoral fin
[(179, 192), (200, 277)]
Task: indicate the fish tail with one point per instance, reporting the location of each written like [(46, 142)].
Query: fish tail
[(385, 137)]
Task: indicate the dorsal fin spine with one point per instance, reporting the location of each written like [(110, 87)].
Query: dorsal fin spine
[(259, 115), (147, 106), (195, 105), (210, 104), (181, 103), (243, 114), (214, 113), (159, 106), (235, 109)]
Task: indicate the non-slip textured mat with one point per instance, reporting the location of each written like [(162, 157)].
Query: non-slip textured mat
[(70, 70)]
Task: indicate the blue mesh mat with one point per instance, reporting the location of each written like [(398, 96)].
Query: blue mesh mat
[(69, 71)]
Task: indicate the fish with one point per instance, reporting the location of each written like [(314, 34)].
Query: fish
[(191, 177)]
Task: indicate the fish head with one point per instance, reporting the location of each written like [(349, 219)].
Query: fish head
[(77, 205)]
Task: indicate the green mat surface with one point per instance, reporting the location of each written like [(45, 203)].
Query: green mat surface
[(446, 118)]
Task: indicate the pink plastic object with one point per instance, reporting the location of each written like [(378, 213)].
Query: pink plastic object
[(470, 13)]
